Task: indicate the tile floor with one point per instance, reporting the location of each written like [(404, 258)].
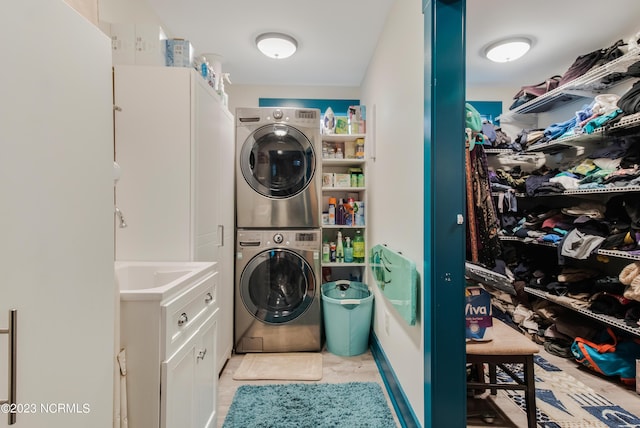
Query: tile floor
[(362, 368)]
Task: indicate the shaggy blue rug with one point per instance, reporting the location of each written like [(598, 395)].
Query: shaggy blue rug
[(310, 405)]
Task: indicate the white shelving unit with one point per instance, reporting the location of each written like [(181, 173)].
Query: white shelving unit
[(342, 270)]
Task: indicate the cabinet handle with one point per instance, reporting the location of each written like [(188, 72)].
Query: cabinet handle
[(221, 235), (182, 320), (201, 354), (12, 332), (208, 298)]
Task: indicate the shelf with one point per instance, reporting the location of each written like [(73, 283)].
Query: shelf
[(610, 253), (341, 137), (338, 264), (565, 302), (343, 189), (530, 241), (342, 162), (499, 151), (583, 87), (566, 142), (620, 189), (626, 122), (341, 226)]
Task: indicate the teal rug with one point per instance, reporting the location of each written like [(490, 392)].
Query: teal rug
[(310, 405)]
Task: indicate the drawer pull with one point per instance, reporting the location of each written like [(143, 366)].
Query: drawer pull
[(182, 320), (201, 354), (208, 298)]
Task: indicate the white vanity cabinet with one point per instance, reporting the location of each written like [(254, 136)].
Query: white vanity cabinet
[(170, 344), (189, 379)]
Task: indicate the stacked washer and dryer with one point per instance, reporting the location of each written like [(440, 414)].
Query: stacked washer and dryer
[(278, 239)]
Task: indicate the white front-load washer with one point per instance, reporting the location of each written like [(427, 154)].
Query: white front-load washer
[(277, 293), (277, 164)]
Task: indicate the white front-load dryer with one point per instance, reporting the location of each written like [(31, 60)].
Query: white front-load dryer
[(277, 293), (277, 164)]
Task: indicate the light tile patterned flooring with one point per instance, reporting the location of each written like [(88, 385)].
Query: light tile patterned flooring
[(362, 368), (335, 369)]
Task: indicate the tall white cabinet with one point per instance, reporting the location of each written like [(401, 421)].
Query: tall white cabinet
[(174, 144), (57, 191)]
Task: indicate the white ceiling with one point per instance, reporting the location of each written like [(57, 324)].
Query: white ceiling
[(336, 38)]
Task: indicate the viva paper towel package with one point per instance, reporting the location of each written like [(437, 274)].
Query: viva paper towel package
[(477, 312)]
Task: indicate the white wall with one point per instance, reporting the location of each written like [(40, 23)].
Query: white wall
[(393, 91), (248, 95)]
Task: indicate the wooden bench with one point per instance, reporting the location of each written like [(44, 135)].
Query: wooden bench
[(507, 347)]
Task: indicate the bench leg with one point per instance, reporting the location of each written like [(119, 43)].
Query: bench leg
[(493, 377), (530, 391)]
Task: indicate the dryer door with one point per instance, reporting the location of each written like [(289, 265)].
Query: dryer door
[(277, 161), (277, 286)]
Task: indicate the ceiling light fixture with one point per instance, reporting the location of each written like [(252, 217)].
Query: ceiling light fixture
[(276, 45), (508, 49)]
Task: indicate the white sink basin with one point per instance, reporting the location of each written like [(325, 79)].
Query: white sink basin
[(158, 280)]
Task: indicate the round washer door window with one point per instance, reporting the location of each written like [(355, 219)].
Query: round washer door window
[(277, 286), (277, 161)]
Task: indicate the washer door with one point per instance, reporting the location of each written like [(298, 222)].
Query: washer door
[(277, 286), (277, 161)]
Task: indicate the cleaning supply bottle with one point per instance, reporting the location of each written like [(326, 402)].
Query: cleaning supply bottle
[(325, 251), (332, 210), (358, 247), (339, 248), (348, 250)]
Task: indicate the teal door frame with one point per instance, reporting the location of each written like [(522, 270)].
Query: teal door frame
[(444, 214)]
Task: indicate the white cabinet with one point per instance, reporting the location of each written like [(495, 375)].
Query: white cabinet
[(57, 191), (171, 345), (189, 380), (174, 143), (344, 178)]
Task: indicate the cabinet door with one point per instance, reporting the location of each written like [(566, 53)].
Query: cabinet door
[(153, 148), (189, 381), (178, 374), (57, 212), (225, 161), (205, 178), (206, 380)]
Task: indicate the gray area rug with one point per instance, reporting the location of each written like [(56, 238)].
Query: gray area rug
[(310, 405)]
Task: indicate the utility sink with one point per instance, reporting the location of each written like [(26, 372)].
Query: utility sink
[(158, 280)]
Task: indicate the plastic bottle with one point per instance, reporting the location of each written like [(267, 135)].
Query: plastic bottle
[(332, 251), (339, 154), (325, 252), (348, 250), (341, 213), (339, 248), (358, 247), (332, 210)]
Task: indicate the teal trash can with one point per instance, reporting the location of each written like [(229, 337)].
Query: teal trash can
[(347, 308)]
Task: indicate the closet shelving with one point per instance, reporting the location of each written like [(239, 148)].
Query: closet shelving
[(586, 86), (609, 253), (622, 189), (582, 87), (567, 303)]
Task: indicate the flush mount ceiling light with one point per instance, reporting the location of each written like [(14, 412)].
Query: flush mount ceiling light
[(276, 45), (508, 49)]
